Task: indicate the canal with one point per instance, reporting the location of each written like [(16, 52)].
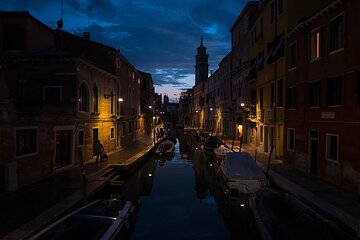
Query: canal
[(181, 198)]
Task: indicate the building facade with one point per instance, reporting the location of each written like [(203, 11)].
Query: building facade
[(322, 113)]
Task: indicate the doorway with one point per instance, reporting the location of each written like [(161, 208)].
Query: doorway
[(266, 139), (63, 148)]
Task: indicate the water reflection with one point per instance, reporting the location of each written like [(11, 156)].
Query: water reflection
[(181, 198)]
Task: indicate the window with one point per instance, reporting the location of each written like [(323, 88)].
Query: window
[(280, 93), (14, 38), (290, 139), (112, 133), (26, 141), (293, 55), (261, 98), (83, 98), (52, 94), (332, 147), (123, 129), (95, 99), (261, 26), (261, 134), (281, 6), (81, 138), (291, 98), (315, 45), (337, 33), (273, 12), (314, 94), (334, 91), (130, 127)]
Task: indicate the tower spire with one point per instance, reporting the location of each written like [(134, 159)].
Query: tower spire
[(201, 43)]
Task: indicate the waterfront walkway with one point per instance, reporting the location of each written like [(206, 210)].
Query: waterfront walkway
[(56, 195), (331, 200)]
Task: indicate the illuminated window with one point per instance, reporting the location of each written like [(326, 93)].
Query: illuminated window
[(315, 45)]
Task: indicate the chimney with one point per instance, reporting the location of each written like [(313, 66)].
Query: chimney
[(86, 35)]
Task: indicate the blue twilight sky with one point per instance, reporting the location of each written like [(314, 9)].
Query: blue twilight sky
[(156, 36)]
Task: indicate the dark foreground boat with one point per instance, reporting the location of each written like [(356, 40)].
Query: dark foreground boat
[(280, 215), (102, 219)]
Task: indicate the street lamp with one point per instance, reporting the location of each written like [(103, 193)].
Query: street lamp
[(242, 104), (120, 100), (150, 107)]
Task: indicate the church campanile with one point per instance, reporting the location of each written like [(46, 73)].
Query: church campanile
[(201, 66)]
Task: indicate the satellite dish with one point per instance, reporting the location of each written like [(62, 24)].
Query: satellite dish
[(60, 23)]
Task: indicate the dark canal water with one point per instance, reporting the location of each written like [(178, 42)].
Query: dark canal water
[(181, 198)]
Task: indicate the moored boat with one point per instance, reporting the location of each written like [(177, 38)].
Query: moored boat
[(212, 142), (281, 215), (241, 174), (165, 148), (220, 153), (101, 219)]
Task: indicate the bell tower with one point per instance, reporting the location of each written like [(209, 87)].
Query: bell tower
[(201, 66)]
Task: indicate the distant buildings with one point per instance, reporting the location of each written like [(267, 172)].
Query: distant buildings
[(59, 94), (289, 86)]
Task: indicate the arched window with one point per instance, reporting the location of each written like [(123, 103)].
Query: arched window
[(95, 99), (83, 98)]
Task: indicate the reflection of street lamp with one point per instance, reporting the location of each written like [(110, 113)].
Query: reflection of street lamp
[(240, 129)]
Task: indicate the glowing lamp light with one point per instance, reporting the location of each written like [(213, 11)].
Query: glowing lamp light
[(120, 99), (150, 107), (150, 175), (240, 129), (154, 118), (211, 109), (242, 104), (242, 205)]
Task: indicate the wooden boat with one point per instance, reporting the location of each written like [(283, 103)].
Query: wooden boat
[(165, 148), (241, 175), (220, 153), (280, 215), (212, 142), (101, 219)]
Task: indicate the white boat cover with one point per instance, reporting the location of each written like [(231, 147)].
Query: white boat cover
[(241, 165), (221, 151)]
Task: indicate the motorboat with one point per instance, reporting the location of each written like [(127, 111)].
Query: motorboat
[(241, 174), (103, 219), (280, 215), (212, 142), (167, 147), (220, 153)]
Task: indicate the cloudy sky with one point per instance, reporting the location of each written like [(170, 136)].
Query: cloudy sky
[(156, 36)]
